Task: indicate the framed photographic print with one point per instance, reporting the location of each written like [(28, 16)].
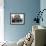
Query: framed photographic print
[(17, 18)]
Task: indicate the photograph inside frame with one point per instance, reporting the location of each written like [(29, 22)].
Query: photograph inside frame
[(17, 18)]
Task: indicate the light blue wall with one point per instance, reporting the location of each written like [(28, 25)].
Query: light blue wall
[(29, 7), (43, 6)]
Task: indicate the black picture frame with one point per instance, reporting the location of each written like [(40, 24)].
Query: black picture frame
[(17, 18)]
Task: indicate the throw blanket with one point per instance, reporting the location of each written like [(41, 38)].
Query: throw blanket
[(26, 41)]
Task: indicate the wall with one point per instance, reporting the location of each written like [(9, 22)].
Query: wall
[(43, 6), (29, 7)]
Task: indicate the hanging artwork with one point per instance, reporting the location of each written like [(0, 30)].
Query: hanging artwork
[(17, 18)]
